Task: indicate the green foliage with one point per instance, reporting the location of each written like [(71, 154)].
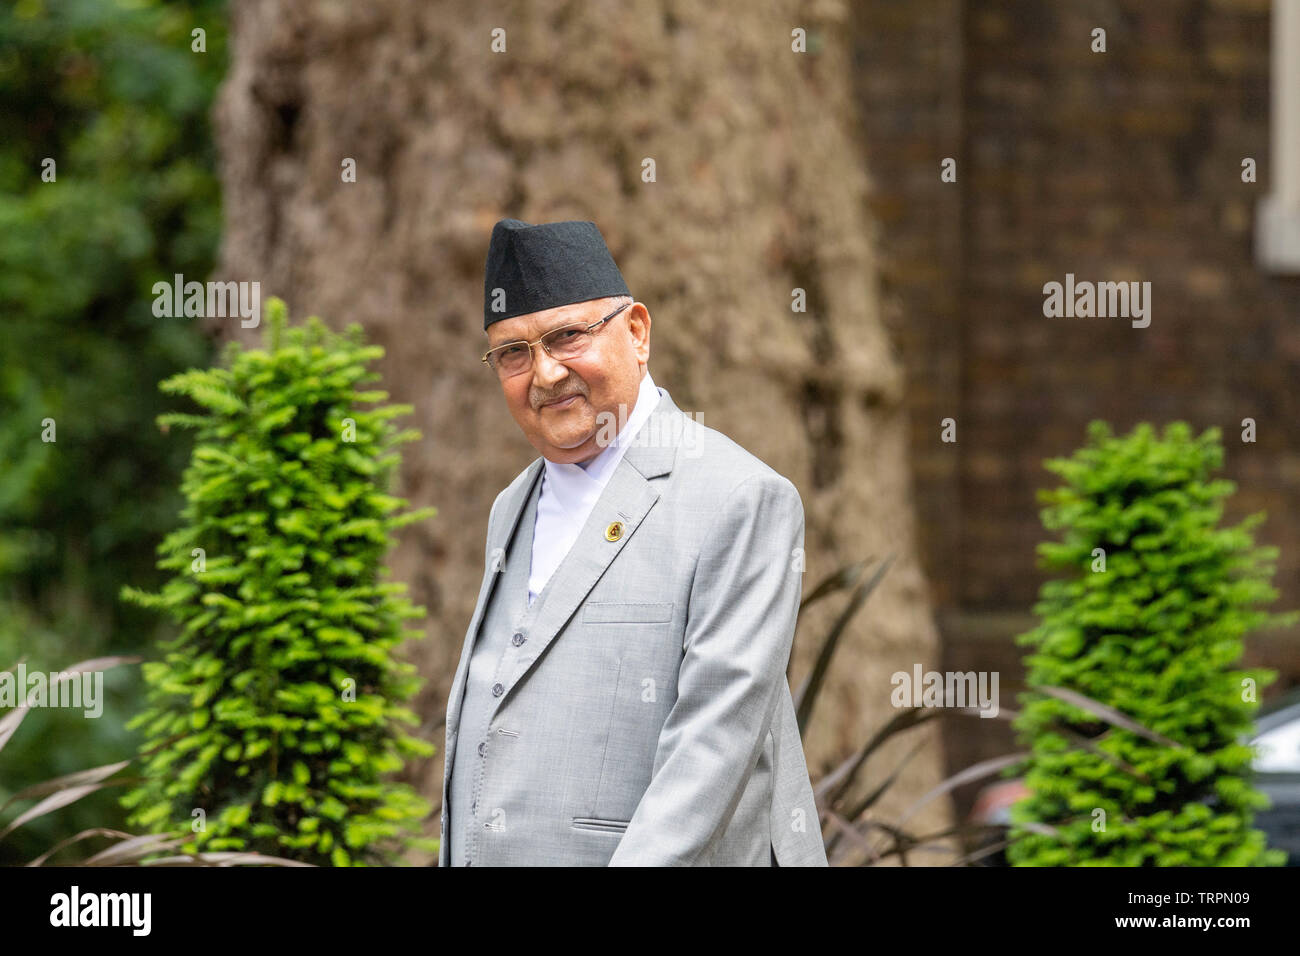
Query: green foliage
[(1154, 635), (113, 92), (280, 702)]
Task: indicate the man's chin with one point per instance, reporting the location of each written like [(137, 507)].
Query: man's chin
[(584, 445), (571, 434)]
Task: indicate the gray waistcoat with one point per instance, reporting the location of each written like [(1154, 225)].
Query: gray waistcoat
[(508, 614)]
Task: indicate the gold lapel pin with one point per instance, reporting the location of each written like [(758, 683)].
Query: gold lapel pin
[(614, 531)]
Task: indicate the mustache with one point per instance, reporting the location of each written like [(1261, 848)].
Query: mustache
[(556, 398)]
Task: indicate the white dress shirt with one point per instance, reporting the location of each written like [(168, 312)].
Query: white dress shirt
[(569, 492)]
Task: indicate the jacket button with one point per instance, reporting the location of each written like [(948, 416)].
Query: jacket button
[(497, 690), (517, 640), (482, 748)]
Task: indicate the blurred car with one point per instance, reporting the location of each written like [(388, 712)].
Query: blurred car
[(1277, 774), (1277, 767)]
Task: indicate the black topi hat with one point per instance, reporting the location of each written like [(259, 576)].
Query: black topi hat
[(532, 268)]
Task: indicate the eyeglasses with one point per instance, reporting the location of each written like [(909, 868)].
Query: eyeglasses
[(562, 344)]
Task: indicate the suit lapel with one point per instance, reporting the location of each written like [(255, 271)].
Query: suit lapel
[(627, 498)]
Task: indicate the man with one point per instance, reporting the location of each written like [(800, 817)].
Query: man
[(621, 695)]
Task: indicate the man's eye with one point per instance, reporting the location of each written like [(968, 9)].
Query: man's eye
[(566, 335), (509, 350)]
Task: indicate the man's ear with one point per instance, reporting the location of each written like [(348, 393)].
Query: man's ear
[(639, 323)]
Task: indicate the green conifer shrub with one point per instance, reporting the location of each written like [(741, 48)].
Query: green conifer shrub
[(281, 702), (1149, 626)]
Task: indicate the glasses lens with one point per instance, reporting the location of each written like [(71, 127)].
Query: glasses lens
[(511, 360), (568, 342)]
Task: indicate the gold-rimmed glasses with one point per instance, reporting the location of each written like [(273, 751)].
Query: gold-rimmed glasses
[(563, 344)]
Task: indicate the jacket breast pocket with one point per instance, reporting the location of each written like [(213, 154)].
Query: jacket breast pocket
[(623, 613), (599, 823)]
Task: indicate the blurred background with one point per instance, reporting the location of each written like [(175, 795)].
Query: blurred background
[(112, 93), (731, 156)]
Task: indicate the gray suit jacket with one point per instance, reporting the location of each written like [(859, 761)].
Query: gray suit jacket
[(648, 720)]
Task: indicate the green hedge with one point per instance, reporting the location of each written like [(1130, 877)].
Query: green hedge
[(277, 711), (1148, 620)]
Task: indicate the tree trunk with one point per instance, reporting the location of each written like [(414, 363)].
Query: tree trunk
[(759, 191)]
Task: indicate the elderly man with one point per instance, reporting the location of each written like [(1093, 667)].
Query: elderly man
[(621, 695)]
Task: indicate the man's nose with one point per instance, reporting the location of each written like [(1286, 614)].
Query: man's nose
[(546, 370)]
